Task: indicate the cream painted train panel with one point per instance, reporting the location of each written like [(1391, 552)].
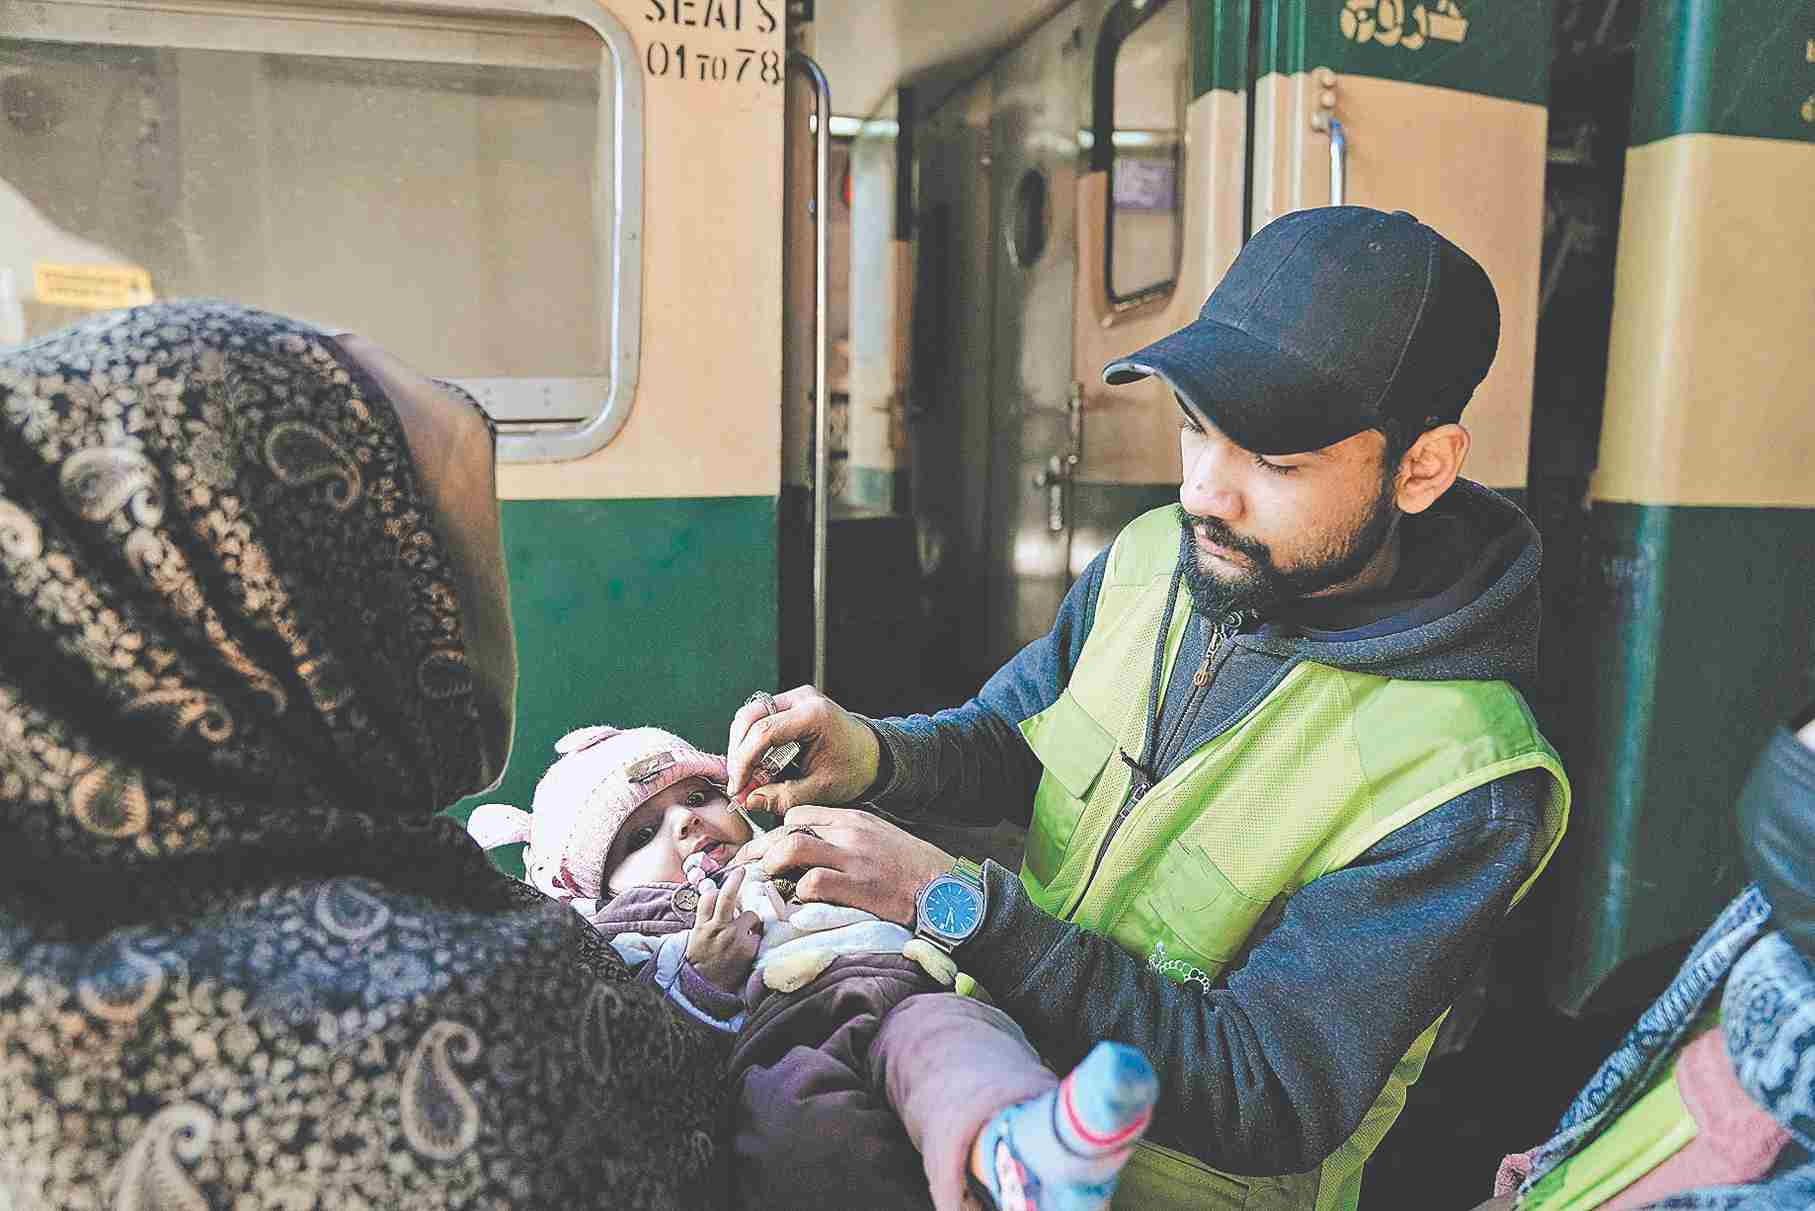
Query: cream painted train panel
[(1472, 166), (706, 420)]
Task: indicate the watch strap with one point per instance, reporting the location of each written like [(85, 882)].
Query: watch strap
[(970, 872), (971, 875)]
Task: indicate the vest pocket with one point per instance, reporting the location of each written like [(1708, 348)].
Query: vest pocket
[(1073, 749), (1197, 918)]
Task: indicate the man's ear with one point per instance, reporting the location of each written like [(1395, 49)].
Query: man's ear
[(1430, 467)]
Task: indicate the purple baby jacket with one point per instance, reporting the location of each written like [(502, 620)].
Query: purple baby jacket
[(809, 1121)]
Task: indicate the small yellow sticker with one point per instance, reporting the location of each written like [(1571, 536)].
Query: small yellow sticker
[(95, 287)]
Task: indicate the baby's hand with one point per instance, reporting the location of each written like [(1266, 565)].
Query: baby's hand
[(724, 940)]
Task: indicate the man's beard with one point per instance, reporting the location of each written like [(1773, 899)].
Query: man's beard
[(1264, 587)]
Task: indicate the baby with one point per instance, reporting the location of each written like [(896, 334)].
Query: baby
[(843, 1033)]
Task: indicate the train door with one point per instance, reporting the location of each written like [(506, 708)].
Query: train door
[(1437, 108), (1159, 219), (1037, 95), (1064, 222)]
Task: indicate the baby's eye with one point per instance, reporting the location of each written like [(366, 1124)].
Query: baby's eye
[(639, 838), (697, 798)]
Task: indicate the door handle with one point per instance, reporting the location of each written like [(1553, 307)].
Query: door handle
[(1061, 468), (1054, 478)]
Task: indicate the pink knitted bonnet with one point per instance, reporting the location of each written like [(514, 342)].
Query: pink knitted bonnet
[(602, 776)]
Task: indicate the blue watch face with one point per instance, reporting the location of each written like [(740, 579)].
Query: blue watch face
[(951, 908)]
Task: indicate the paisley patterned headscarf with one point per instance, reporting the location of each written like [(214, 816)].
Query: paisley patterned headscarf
[(226, 622), (242, 962)]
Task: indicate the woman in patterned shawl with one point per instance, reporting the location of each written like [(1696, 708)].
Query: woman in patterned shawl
[(253, 632)]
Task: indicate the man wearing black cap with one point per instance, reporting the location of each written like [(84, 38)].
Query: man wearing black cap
[(1283, 783)]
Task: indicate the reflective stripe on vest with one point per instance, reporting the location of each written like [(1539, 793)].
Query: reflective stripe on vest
[(1326, 764)]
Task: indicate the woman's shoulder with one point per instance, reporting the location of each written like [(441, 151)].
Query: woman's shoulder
[(431, 1042)]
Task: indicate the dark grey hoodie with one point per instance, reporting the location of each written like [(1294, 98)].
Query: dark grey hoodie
[(1271, 1070)]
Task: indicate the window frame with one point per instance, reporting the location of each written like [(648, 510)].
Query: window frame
[(536, 427), (1120, 24)]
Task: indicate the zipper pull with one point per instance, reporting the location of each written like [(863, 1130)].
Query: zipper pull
[(1219, 635), (1213, 643), (1143, 781)]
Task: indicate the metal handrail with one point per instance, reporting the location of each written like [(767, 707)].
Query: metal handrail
[(822, 113)]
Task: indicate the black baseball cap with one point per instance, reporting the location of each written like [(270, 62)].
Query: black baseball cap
[(1331, 321)]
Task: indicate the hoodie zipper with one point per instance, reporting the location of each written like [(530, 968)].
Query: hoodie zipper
[(1146, 778)]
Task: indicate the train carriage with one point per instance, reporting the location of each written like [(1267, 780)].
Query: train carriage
[(804, 388)]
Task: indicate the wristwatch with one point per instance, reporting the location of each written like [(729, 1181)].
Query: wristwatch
[(950, 908)]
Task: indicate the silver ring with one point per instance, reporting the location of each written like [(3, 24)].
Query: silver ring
[(764, 697)]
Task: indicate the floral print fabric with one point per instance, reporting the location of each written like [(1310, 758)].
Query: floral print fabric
[(1768, 1007), (241, 964)]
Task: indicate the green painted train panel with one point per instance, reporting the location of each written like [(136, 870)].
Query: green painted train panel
[(1726, 67), (1698, 644), (633, 612), (1494, 48), (1219, 46)]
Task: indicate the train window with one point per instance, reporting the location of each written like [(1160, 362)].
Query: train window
[(1143, 82), (1027, 232), (462, 187)]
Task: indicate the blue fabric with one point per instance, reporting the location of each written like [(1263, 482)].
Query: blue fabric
[(1653, 1040), (1793, 1190), (1768, 1014)]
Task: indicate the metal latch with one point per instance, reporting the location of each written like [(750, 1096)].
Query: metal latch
[(1062, 468)]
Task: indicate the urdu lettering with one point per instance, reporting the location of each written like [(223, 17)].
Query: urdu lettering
[(1388, 22)]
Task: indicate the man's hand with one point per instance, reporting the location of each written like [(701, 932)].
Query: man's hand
[(723, 943), (839, 759), (853, 858)]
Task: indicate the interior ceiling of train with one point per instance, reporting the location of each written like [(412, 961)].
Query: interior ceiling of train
[(869, 47)]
